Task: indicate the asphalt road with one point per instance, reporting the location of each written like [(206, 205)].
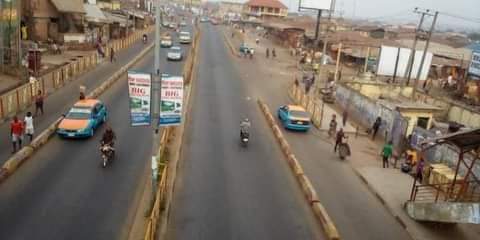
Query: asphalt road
[(224, 191), (60, 101), (357, 213), (63, 193)]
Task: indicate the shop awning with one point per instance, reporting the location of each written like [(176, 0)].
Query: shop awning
[(94, 14), (69, 6)]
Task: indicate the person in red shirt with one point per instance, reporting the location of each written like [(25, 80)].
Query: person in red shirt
[(16, 131)]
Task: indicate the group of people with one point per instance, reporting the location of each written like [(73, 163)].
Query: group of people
[(267, 53), (19, 128)]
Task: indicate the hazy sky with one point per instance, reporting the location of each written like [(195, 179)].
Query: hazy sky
[(402, 9)]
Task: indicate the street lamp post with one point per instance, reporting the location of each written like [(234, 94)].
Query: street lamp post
[(156, 86)]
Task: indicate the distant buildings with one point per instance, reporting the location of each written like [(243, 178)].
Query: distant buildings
[(265, 9)]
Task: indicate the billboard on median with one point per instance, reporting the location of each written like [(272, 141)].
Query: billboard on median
[(171, 102), (474, 68), (316, 4), (139, 91)]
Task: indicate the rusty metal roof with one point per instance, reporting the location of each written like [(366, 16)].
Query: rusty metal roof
[(69, 6), (466, 140)]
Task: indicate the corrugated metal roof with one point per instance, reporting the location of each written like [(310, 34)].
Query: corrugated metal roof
[(441, 49), (94, 14), (120, 19), (69, 6), (267, 3)]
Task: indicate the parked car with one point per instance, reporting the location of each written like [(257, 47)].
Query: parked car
[(166, 41), (175, 53), (244, 48), (294, 117), (185, 38), (83, 119), (183, 24)]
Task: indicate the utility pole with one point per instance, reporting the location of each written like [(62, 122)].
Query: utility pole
[(325, 39), (156, 88), (429, 36), (317, 29), (411, 58)]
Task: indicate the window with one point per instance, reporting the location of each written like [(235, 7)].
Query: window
[(270, 9), (423, 122), (277, 10)]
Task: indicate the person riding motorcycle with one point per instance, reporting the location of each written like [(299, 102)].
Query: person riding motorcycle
[(244, 127), (108, 137), (145, 38)]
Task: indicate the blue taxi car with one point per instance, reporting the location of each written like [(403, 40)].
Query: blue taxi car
[(82, 119), (294, 117)]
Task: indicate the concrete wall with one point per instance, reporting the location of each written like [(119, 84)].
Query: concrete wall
[(375, 90)]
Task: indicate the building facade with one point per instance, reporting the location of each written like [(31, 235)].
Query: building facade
[(265, 9)]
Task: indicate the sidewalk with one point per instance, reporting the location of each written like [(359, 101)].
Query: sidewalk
[(390, 186), (59, 101)]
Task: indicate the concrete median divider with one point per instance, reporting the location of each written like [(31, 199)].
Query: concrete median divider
[(310, 193), (26, 152), (159, 212)]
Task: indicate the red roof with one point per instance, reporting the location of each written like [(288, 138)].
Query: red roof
[(267, 3)]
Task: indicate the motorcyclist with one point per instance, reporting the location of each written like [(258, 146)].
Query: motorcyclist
[(244, 127), (108, 137), (144, 38), (339, 138)]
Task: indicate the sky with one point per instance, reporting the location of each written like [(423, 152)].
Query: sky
[(402, 10)]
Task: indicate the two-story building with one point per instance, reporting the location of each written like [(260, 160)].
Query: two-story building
[(265, 9)]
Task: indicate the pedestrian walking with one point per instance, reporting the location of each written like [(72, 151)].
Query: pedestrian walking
[(274, 53), (387, 152), (267, 53), (29, 130), (308, 85), (112, 55), (344, 117), (419, 172), (376, 126), (16, 131), (332, 126), (39, 102)]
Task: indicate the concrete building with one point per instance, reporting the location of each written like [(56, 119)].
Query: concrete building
[(50, 18), (265, 9), (230, 9), (109, 4)]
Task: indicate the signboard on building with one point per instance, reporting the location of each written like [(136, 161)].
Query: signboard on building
[(316, 4), (139, 92), (474, 68), (394, 57), (171, 102)]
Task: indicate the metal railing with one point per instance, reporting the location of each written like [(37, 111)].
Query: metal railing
[(447, 192), (21, 98)]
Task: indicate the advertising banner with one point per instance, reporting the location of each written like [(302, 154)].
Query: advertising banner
[(316, 4), (171, 102), (139, 91), (474, 68)]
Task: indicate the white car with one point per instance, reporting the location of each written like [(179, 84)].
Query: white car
[(166, 42), (175, 54), (184, 37)]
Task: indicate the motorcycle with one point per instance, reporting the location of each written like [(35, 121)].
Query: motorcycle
[(344, 149), (108, 152), (244, 137), (144, 39)]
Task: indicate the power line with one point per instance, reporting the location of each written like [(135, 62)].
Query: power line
[(468, 19)]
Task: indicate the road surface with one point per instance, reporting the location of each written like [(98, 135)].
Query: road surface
[(63, 193), (223, 190)]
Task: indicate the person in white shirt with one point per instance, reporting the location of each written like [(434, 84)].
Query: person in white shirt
[(29, 125)]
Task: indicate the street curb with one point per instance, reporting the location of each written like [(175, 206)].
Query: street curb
[(230, 44), (382, 200), (14, 162), (305, 184)]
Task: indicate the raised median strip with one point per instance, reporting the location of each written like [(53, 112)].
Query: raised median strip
[(172, 138), (305, 184), (12, 164)]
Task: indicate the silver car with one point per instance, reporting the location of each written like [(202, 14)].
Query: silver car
[(175, 53)]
